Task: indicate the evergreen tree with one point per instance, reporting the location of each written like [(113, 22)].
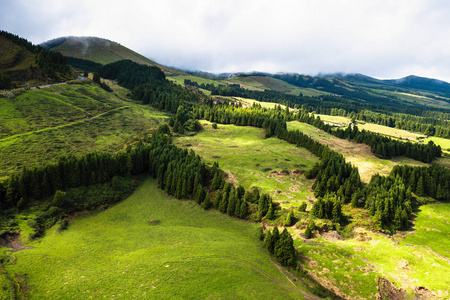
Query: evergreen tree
[(420, 188), (231, 204), (217, 199), (206, 204), (270, 213), (289, 219), (243, 211), (224, 203), (302, 207), (271, 239), (309, 229), (284, 249)]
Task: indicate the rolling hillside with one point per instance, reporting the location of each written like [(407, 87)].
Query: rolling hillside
[(101, 51), (22, 63)]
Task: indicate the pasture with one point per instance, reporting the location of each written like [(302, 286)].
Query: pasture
[(151, 246), (251, 160), (358, 154)]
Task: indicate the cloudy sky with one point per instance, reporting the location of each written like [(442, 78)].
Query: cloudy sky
[(379, 38)]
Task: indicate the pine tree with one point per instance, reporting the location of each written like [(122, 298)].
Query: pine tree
[(271, 239), (284, 249), (439, 195), (419, 188), (216, 181), (237, 209), (199, 194), (270, 213), (206, 204), (289, 219), (217, 199), (302, 207), (243, 211), (337, 212), (224, 203), (231, 204), (309, 229)]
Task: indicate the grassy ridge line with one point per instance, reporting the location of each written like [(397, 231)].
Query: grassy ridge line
[(188, 253), (63, 125)]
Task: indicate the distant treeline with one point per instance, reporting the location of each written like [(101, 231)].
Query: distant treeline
[(324, 104), (380, 110), (387, 148), (83, 64), (130, 74), (431, 123), (382, 146)]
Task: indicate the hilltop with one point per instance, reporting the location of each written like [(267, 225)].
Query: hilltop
[(101, 51)]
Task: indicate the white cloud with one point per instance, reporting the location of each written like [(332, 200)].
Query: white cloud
[(379, 38)]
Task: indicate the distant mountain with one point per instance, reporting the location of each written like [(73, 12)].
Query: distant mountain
[(422, 83), (101, 51), (23, 63)]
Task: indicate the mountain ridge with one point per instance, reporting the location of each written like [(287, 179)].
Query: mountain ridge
[(101, 50)]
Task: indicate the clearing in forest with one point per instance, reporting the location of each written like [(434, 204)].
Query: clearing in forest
[(358, 154), (273, 165)]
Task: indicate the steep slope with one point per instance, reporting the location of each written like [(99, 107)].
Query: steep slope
[(101, 51), (23, 63)]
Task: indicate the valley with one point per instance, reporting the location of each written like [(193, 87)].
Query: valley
[(144, 181)]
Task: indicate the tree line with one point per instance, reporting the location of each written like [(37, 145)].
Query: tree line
[(430, 123), (386, 147)]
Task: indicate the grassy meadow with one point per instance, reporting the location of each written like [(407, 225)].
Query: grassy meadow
[(151, 246), (431, 228), (249, 160), (39, 126), (384, 130), (358, 154), (389, 131), (351, 267)]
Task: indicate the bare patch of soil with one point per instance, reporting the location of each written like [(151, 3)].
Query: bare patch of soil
[(331, 236), (386, 290), (232, 178), (11, 240)]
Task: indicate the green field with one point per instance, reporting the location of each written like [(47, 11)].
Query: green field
[(384, 130), (431, 228), (249, 102), (39, 126), (358, 154), (389, 131), (151, 246), (351, 267), (249, 160)]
